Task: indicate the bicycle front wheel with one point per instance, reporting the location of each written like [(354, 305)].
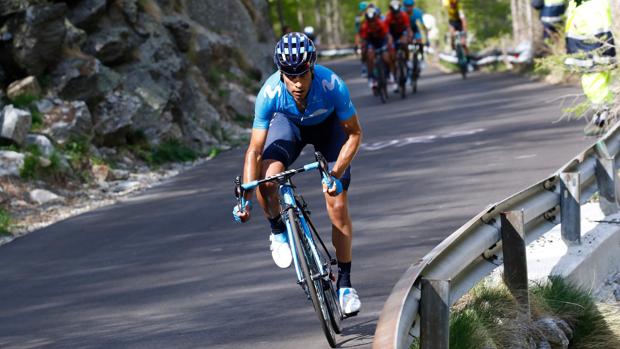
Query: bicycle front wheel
[(312, 279)]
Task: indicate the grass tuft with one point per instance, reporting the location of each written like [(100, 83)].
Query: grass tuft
[(5, 222), (171, 151)]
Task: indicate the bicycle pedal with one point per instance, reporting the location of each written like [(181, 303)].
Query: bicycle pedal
[(345, 316)]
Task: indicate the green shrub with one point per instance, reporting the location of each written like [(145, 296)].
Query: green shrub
[(5, 222), (171, 151)]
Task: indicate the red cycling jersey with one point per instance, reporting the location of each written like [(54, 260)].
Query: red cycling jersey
[(375, 29), (397, 23)]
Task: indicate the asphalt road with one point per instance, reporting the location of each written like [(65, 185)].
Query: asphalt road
[(168, 268)]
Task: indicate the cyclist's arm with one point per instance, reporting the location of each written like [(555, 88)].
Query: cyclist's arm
[(253, 156), (353, 130), (463, 20)]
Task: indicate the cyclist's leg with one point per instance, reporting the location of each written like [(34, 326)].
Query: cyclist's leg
[(370, 61), (282, 147), (337, 207)]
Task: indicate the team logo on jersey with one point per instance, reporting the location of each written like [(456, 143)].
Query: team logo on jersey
[(331, 84), (272, 92)]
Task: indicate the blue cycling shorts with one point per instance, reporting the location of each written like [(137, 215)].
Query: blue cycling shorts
[(380, 44), (286, 139)]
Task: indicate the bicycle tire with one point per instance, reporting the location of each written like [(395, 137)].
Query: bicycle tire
[(402, 73), (415, 71), (306, 260), (381, 82), (328, 285), (462, 62)]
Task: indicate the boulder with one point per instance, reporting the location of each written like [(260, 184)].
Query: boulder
[(241, 102), (64, 120), (100, 173), (86, 13), (110, 45), (10, 163), (180, 30), (14, 125), (246, 24), (42, 197), (25, 87), (74, 37), (38, 37), (129, 8), (84, 78), (42, 142), (552, 332), (114, 117)]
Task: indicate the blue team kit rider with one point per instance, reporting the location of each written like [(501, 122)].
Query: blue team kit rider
[(304, 103)]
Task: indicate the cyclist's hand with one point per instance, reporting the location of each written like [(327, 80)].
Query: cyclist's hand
[(335, 188), (242, 217)]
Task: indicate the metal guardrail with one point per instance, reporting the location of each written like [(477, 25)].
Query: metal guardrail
[(419, 304)]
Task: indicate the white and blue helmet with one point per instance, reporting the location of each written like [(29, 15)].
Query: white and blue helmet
[(294, 54)]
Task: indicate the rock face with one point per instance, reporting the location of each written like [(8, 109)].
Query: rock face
[(14, 125), (10, 163), (25, 87)]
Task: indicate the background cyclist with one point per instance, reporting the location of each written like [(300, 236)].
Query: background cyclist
[(416, 19), (457, 22), (303, 103), (374, 31), (360, 45), (399, 27)]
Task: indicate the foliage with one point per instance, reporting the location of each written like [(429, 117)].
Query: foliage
[(33, 168), (5, 222), (171, 151), (487, 317), (486, 19)]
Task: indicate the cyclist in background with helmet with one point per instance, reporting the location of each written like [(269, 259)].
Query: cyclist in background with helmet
[(457, 22), (416, 19), (397, 21), (304, 103), (360, 45), (375, 33)]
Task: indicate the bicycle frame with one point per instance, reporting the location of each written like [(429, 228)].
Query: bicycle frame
[(287, 202)]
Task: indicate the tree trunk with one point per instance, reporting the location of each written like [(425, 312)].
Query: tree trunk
[(280, 15), (300, 16), (337, 23), (328, 39)]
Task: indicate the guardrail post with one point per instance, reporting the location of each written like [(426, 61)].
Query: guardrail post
[(435, 314), (605, 171), (570, 209), (515, 261)]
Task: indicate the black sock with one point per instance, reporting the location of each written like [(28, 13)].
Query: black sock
[(344, 275), (277, 226)]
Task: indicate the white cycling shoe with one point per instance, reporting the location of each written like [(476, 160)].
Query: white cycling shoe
[(349, 301), (280, 250)]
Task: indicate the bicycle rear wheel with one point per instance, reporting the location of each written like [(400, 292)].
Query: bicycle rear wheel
[(402, 73), (462, 61), (415, 71), (311, 278)]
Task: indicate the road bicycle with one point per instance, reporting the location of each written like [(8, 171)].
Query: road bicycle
[(462, 60), (380, 73), (313, 262)]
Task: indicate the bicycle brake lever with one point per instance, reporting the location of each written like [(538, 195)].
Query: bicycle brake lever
[(239, 194)]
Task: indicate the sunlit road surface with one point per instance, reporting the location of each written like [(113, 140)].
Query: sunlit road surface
[(169, 269)]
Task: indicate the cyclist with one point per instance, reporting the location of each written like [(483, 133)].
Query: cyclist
[(359, 43), (374, 31), (416, 19), (399, 27), (457, 22), (551, 16), (304, 103), (590, 41)]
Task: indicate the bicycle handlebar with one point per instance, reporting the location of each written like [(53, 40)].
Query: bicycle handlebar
[(320, 164)]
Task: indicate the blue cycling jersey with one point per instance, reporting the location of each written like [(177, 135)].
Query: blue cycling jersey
[(328, 93), (416, 16)]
